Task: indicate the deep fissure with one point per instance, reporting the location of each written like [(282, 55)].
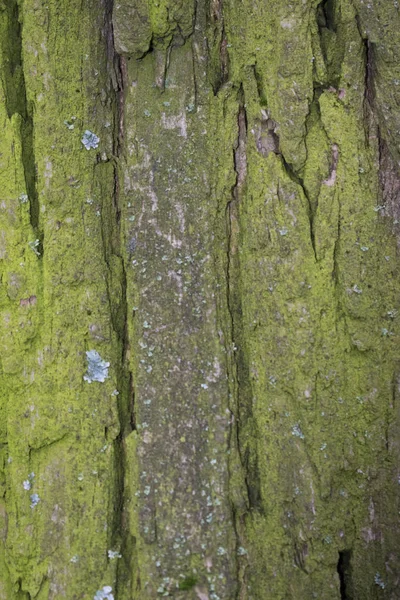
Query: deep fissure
[(343, 569), (125, 398), (17, 103), (234, 305)]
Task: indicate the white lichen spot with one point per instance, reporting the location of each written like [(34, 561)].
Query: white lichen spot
[(296, 431), (204, 386), (287, 24), (27, 484), (221, 551), (112, 554), (90, 140), (241, 551), (386, 332), (34, 246), (74, 559), (283, 231), (104, 593), (23, 198), (70, 124), (378, 581), (34, 500), (97, 369)]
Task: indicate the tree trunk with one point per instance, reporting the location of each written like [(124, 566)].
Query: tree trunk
[(199, 225)]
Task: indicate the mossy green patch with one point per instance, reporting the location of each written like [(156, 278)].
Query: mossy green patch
[(226, 247)]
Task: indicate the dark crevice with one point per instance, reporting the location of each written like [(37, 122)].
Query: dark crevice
[(17, 103), (20, 592), (149, 50), (326, 15), (242, 392), (300, 555), (262, 96), (344, 572), (332, 41), (112, 237), (267, 141), (118, 73), (193, 42), (369, 53), (336, 261), (375, 129), (369, 101), (239, 369), (219, 56)]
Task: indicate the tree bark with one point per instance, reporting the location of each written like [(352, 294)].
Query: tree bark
[(199, 231)]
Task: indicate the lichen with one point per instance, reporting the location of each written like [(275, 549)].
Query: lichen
[(104, 594), (97, 368), (89, 139)]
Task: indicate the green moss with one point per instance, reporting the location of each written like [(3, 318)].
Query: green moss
[(188, 583), (233, 266)]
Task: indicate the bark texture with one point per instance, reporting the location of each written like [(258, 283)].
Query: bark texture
[(199, 296)]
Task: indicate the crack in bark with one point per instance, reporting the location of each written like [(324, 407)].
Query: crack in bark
[(344, 572), (267, 141), (126, 398), (237, 369), (17, 103), (221, 70)]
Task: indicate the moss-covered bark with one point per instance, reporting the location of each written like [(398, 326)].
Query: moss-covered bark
[(199, 208)]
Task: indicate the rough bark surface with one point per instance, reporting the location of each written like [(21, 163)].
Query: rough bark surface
[(199, 296)]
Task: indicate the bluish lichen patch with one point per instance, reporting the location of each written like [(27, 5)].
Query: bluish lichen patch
[(34, 500), (97, 368), (104, 594), (90, 140)]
